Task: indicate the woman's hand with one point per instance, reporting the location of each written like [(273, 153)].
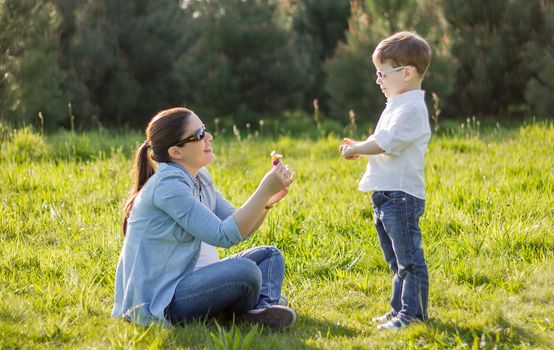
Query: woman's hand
[(278, 178), (277, 197), (346, 150), (272, 188), (288, 177)]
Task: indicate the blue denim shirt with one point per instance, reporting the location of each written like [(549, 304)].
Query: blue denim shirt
[(172, 214)]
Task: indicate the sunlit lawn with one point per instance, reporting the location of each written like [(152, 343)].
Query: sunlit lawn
[(488, 233)]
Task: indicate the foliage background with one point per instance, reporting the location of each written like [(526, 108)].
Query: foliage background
[(116, 63), (79, 78)]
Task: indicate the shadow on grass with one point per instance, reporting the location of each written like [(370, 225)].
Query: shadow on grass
[(308, 327), (502, 333), (296, 337)]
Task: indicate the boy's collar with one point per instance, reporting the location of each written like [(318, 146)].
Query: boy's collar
[(407, 96)]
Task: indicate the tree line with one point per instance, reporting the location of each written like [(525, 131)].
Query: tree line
[(117, 62)]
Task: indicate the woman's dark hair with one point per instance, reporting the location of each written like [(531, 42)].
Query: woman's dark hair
[(164, 130)]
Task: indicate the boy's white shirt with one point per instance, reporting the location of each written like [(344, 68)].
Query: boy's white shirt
[(403, 132)]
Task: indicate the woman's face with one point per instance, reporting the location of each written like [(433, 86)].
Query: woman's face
[(196, 154)]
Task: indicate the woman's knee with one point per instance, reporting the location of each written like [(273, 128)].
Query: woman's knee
[(272, 251), (247, 271), (277, 255)]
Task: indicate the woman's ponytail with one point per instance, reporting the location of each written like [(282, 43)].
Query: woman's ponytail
[(143, 169), (163, 131)]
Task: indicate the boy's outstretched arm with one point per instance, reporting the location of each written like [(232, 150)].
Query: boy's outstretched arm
[(355, 149)]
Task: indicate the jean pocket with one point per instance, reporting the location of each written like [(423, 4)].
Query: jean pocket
[(419, 208), (395, 196)]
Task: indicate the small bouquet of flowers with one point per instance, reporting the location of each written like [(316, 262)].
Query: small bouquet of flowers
[(275, 158)]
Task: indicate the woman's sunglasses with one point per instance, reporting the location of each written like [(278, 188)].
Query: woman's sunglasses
[(198, 135)]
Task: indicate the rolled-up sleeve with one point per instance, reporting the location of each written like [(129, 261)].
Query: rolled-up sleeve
[(405, 127), (223, 209), (176, 198)]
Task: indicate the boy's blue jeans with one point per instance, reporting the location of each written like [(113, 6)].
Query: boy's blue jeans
[(248, 280), (397, 222)]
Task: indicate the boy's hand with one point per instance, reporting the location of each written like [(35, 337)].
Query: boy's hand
[(348, 154), (346, 150)]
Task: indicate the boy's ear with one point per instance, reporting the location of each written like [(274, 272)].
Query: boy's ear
[(410, 73)]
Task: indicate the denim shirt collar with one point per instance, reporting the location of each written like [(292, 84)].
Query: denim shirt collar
[(195, 180), (178, 166)]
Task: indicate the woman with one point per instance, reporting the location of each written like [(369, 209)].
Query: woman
[(168, 268)]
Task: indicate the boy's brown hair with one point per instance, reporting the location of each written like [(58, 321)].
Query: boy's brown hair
[(404, 49)]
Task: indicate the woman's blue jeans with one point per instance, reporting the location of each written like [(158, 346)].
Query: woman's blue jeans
[(251, 279), (397, 222)]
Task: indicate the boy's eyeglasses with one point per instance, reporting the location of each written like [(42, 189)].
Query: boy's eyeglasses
[(198, 135), (383, 73)]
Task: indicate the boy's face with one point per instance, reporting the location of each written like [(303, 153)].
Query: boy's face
[(394, 81)]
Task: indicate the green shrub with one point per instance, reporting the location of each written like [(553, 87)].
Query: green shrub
[(25, 145), (94, 145), (502, 48), (31, 77), (243, 62), (319, 26), (4, 131), (539, 92), (350, 72)]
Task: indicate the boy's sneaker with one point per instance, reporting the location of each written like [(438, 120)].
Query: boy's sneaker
[(275, 316), (386, 317), (283, 301), (395, 324)]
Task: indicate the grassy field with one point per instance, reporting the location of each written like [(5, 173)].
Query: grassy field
[(488, 235)]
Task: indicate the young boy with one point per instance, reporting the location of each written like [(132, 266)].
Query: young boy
[(395, 173)]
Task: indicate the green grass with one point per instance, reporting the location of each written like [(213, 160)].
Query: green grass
[(488, 233)]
